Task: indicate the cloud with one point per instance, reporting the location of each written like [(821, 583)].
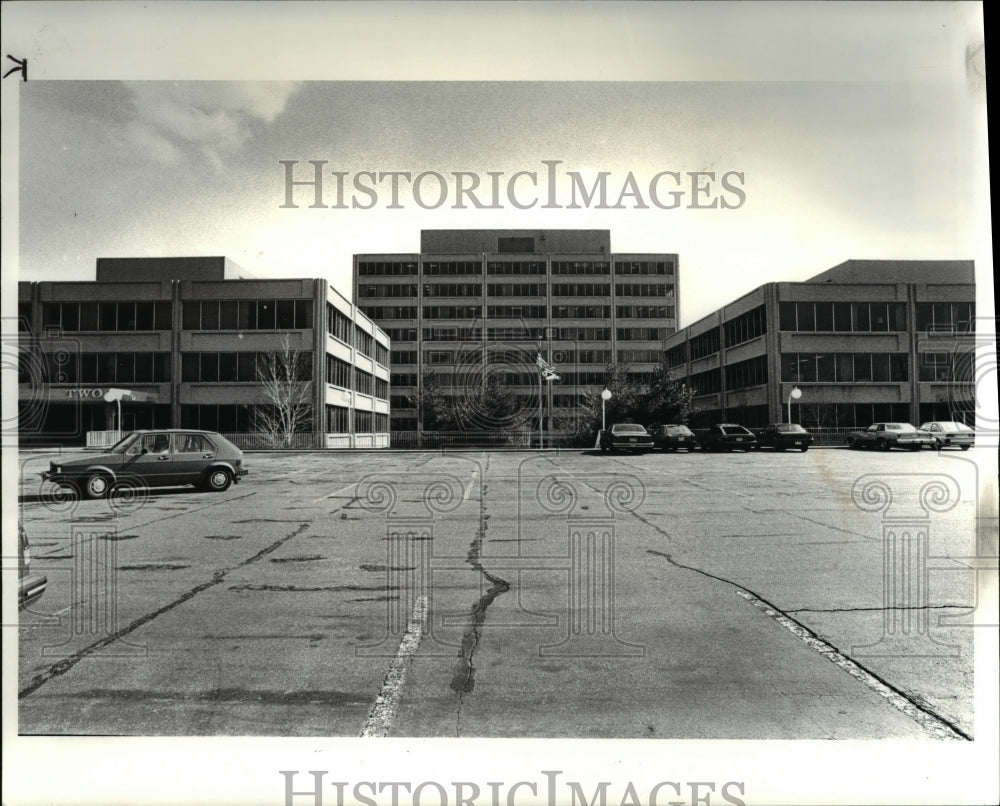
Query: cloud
[(177, 120)]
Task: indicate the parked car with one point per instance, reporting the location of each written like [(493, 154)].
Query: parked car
[(726, 437), (625, 437), (674, 437), (30, 587), (166, 457), (886, 436), (950, 434), (782, 436)]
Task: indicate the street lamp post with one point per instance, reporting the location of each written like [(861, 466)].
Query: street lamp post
[(605, 397), (795, 394)]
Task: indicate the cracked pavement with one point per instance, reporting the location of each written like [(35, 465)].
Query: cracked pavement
[(570, 595)]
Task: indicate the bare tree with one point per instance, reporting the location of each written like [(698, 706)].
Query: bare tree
[(285, 381)]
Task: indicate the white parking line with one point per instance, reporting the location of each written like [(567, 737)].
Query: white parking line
[(937, 728), (468, 490), (383, 711)]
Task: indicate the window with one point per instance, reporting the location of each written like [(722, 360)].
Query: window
[(643, 290), (744, 374), (338, 420), (704, 344), (845, 368), (949, 317), (386, 269), (282, 314), (338, 372), (581, 267)]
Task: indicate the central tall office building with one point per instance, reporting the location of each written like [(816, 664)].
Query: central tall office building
[(475, 301)]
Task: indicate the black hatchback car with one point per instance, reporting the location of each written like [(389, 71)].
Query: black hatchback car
[(784, 436), (674, 437), (161, 458)]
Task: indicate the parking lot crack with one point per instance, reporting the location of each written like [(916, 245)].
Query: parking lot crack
[(67, 663), (463, 680)]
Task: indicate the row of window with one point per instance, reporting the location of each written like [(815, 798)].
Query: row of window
[(644, 311), (475, 312), (107, 316), (639, 356), (368, 291), (387, 268), (948, 317), (949, 367), (640, 334), (338, 421), (96, 368), (245, 367), (435, 290), (512, 267), (342, 327), (704, 344), (845, 367), (745, 327), (842, 317), (744, 374), (254, 314)]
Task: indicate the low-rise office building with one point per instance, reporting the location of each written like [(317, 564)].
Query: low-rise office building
[(197, 343), (866, 341)]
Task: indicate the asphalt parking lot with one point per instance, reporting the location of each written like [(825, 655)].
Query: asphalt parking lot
[(830, 594)]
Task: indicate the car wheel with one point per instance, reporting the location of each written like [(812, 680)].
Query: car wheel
[(915, 447), (804, 448), (851, 444), (964, 447), (779, 448), (217, 479), (97, 485), (883, 445)]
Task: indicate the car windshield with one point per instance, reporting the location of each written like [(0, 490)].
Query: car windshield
[(734, 429), (122, 445), (790, 428), (628, 429)]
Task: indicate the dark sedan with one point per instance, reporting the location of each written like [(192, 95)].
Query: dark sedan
[(726, 437), (784, 436), (674, 437), (168, 457), (625, 437)]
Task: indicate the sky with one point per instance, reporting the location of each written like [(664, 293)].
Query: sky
[(829, 169)]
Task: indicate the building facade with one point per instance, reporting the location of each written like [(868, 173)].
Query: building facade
[(475, 302), (196, 343), (866, 341)]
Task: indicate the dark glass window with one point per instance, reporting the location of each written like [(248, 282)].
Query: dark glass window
[(228, 367), (70, 316), (108, 313), (246, 367), (229, 315), (265, 315), (209, 367), (144, 316), (143, 367), (192, 316), (164, 316), (89, 317), (286, 314)]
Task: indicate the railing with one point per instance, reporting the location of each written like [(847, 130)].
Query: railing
[(474, 439), (103, 439)]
